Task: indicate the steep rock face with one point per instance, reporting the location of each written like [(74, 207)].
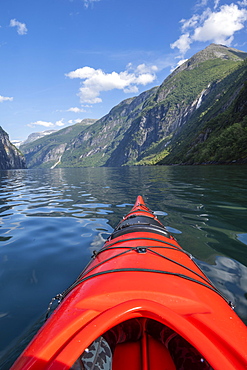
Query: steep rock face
[(37, 135), (217, 132), (10, 156), (174, 104), (94, 146), (38, 155), (48, 150), (144, 129), (149, 124)]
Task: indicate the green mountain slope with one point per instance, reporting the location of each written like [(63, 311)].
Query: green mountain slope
[(48, 150), (96, 146), (217, 133), (161, 125), (175, 103)]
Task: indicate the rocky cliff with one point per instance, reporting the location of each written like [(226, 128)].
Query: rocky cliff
[(10, 156), (37, 135), (148, 128), (217, 132), (48, 149), (200, 81)]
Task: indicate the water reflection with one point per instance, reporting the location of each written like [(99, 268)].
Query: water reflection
[(230, 277), (51, 221), (242, 238)]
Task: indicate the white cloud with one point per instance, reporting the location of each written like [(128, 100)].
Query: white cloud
[(143, 68), (215, 26), (182, 61), (131, 90), (144, 79), (47, 124), (216, 3), (85, 72), (41, 123), (204, 3), (73, 121), (201, 3), (89, 2), (96, 81), (5, 98), (60, 123), (178, 64), (220, 26), (89, 95), (75, 110), (21, 27), (190, 23), (183, 43), (242, 3)]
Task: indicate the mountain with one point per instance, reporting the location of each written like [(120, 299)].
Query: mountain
[(10, 156), (217, 132), (37, 135), (160, 125), (47, 150), (200, 81)]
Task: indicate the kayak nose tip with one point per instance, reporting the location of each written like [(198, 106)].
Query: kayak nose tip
[(139, 200)]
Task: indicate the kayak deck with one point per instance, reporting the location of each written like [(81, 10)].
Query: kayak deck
[(147, 299)]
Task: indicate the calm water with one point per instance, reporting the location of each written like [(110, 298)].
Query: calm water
[(53, 219)]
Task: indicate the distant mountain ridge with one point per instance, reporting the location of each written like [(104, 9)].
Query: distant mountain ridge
[(47, 150), (160, 125), (37, 135), (10, 156)]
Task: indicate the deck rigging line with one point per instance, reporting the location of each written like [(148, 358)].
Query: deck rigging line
[(85, 274)]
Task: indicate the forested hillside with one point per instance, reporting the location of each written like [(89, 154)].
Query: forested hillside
[(198, 111), (48, 150), (218, 131)]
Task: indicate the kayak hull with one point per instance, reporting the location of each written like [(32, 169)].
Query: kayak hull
[(141, 273)]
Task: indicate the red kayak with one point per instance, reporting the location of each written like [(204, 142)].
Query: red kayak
[(141, 303)]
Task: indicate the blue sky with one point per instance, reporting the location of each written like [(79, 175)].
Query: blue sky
[(65, 60)]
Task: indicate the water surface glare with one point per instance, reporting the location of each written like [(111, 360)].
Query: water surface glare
[(52, 220)]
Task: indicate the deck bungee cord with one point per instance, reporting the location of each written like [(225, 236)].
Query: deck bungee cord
[(140, 249), (153, 226), (148, 300)]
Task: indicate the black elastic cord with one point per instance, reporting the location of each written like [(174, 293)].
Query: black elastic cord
[(86, 271), (82, 279), (96, 253), (140, 238), (142, 270), (109, 259), (181, 265), (166, 245), (110, 247), (152, 251)]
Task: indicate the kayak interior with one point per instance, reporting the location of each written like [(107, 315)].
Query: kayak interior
[(141, 343)]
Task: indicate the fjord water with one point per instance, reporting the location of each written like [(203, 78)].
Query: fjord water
[(52, 220)]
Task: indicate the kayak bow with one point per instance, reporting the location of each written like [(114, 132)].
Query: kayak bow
[(142, 300)]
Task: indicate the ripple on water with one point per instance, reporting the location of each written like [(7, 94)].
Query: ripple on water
[(242, 238), (230, 277), (53, 220)]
